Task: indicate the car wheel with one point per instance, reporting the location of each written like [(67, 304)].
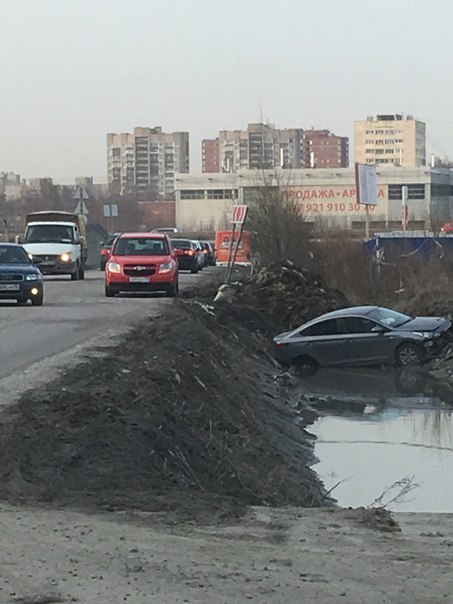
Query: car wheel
[(75, 275), (109, 292), (22, 301), (173, 290), (38, 301), (306, 366), (408, 353)]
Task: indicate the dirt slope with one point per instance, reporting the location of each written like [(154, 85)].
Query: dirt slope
[(185, 403)]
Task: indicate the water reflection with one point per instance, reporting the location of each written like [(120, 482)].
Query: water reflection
[(377, 427)]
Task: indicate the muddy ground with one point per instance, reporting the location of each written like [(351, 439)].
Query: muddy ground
[(184, 411), (130, 477)]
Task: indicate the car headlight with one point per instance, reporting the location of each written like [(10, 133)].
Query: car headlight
[(166, 267), (424, 334), (113, 267), (33, 277), (67, 257)]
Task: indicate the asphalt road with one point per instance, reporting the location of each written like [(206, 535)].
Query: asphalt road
[(73, 312)]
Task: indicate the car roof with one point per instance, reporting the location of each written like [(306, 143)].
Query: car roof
[(351, 310), (144, 235)]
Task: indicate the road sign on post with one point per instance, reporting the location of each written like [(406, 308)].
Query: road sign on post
[(366, 187), (404, 209), (239, 214)]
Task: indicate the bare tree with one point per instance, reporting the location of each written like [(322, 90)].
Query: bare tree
[(276, 219)]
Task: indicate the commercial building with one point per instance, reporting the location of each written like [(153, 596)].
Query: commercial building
[(146, 161), (260, 146), (390, 139), (327, 197), (322, 149)]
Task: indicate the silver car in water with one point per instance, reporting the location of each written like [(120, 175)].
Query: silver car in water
[(363, 335)]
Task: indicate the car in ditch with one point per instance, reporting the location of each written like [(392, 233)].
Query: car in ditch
[(20, 278), (187, 255), (142, 262), (363, 336)]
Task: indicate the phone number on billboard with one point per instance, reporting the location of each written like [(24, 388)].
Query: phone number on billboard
[(333, 207)]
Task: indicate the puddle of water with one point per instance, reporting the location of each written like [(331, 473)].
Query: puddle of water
[(370, 438)]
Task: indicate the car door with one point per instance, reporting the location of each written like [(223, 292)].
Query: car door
[(369, 342), (325, 341)]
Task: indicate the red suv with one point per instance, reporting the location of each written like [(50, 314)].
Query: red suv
[(142, 262)]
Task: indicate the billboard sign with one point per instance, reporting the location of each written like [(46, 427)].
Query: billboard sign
[(366, 183), (223, 244)]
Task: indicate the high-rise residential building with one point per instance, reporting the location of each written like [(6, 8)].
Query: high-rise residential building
[(146, 162), (322, 149), (121, 162), (260, 146), (210, 155), (390, 139)]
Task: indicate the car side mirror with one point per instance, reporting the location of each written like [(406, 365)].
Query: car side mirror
[(18, 239)]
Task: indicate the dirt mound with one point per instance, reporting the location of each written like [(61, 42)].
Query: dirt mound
[(379, 518), (290, 294), (184, 403)]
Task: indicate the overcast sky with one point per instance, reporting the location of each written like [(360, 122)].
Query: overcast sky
[(73, 70)]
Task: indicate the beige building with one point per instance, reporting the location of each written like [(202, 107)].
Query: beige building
[(260, 146), (327, 197), (146, 162), (391, 140)]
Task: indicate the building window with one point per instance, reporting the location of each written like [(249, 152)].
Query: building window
[(195, 194), (413, 191)]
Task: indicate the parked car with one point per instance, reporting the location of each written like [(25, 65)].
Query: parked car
[(187, 255), (20, 278), (169, 230), (202, 261), (106, 249), (209, 252), (142, 262), (363, 335)]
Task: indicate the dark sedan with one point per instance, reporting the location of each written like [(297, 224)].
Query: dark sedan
[(363, 335), (20, 279), (187, 255)]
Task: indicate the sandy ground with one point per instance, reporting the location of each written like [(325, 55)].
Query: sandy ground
[(269, 556)]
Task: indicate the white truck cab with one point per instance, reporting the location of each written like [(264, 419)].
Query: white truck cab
[(58, 245)]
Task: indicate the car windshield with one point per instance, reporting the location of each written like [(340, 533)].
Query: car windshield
[(13, 255), (49, 233), (109, 239), (388, 317), (181, 243), (141, 246)]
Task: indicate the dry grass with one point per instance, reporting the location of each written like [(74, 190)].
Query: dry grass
[(413, 285)]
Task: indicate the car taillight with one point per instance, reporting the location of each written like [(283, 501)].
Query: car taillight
[(280, 345), (190, 252)]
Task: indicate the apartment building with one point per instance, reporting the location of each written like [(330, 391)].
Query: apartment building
[(260, 146), (390, 139), (210, 155), (323, 149), (146, 161)]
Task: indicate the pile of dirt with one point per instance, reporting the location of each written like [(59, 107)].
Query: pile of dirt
[(290, 294), (185, 404)]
